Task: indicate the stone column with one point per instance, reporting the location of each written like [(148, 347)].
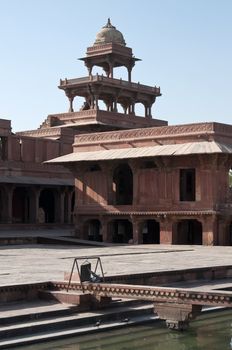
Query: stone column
[(106, 237), (111, 70), (96, 96), (71, 104), (89, 67), (137, 232), (34, 205), (129, 69), (9, 197), (133, 107), (9, 147), (115, 109), (108, 169), (59, 206), (166, 231), (209, 230), (135, 170)]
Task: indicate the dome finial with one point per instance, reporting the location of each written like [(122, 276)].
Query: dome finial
[(108, 24)]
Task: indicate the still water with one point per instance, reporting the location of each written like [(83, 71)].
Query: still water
[(210, 332)]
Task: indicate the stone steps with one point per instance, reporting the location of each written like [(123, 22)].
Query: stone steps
[(54, 321), (30, 311)]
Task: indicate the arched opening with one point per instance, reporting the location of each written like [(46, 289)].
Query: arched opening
[(20, 205), (123, 185), (47, 206), (139, 109), (121, 73), (121, 231), (98, 70), (92, 230), (102, 105), (120, 108), (151, 232), (80, 104), (189, 232)]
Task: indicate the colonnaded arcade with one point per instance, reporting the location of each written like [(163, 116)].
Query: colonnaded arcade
[(152, 184)]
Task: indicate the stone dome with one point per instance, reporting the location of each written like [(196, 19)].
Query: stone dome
[(109, 34)]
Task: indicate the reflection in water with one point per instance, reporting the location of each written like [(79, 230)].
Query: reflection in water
[(211, 332)]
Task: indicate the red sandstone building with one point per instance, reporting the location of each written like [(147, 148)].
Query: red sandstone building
[(152, 184), (136, 178)]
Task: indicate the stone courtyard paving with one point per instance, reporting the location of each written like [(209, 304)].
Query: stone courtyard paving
[(39, 263)]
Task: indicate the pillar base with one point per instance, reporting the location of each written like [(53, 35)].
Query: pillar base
[(177, 325), (177, 316)]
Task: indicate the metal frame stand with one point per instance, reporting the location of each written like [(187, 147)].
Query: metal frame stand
[(86, 259)]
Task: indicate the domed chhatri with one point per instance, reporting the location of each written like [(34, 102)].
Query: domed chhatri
[(109, 34)]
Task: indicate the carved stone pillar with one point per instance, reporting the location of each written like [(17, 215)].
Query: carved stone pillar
[(129, 69), (9, 147), (108, 169), (9, 197), (89, 67), (111, 70), (132, 110), (137, 231), (106, 234), (135, 170), (209, 230), (34, 204), (96, 96), (59, 206), (166, 231), (71, 104)]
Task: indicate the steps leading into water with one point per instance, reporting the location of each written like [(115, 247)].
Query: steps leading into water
[(44, 320)]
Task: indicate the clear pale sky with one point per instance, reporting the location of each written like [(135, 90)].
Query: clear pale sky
[(185, 47)]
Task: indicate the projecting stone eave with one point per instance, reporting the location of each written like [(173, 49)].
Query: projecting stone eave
[(163, 134)]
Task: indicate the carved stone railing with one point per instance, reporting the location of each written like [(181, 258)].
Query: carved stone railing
[(111, 81), (163, 131), (155, 294)]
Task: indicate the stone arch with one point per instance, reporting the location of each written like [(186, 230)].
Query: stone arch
[(92, 230), (189, 231), (121, 231), (150, 232), (139, 109), (21, 202), (47, 205), (121, 72), (123, 185)]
